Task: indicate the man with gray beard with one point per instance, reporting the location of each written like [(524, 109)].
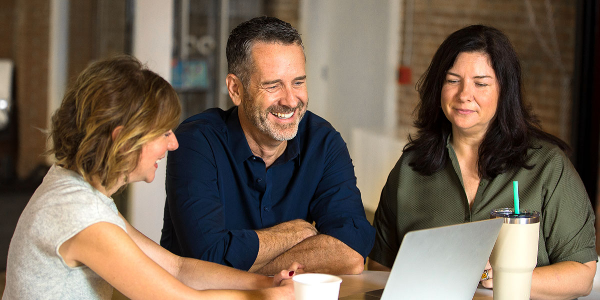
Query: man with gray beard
[(265, 183)]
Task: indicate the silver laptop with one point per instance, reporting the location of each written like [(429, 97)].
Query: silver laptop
[(439, 263)]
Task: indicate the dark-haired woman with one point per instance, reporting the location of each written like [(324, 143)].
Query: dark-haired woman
[(475, 137), (112, 128)]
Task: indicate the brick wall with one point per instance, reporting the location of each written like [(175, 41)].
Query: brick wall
[(8, 135), (24, 39), (546, 54), (546, 50), (31, 45), (6, 28)]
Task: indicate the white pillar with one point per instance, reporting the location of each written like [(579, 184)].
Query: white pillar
[(152, 44), (57, 57)]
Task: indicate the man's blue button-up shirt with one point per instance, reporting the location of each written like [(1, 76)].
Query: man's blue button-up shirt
[(218, 192)]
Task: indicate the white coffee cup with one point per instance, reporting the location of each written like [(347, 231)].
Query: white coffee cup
[(311, 286)]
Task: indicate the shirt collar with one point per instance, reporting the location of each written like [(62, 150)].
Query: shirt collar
[(455, 163), (291, 151), (453, 158), (241, 150), (236, 138), (448, 139)]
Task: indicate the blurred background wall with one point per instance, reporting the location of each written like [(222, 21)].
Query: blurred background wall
[(363, 61)]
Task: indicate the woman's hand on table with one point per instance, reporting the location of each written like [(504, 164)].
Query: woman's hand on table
[(486, 278), (283, 277)]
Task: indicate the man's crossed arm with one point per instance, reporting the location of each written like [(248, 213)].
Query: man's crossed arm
[(299, 241)]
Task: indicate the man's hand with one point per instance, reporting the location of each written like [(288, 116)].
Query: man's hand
[(280, 238), (322, 254)]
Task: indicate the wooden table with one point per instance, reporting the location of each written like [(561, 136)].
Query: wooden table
[(374, 280), (367, 281)]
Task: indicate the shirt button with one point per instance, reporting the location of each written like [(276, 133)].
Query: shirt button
[(259, 180), (481, 184), (266, 208)]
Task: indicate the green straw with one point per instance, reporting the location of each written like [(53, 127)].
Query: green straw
[(516, 193)]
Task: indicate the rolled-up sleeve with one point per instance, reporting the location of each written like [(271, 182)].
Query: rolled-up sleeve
[(337, 206), (568, 218), (195, 208)]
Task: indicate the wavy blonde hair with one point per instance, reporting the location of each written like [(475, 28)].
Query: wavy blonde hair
[(115, 92)]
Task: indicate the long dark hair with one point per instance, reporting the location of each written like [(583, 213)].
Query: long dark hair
[(508, 136)]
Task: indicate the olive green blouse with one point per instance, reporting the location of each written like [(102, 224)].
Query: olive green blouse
[(411, 201)]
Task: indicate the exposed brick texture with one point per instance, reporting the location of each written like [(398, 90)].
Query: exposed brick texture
[(547, 61), (546, 56), (31, 63), (8, 135), (6, 28)]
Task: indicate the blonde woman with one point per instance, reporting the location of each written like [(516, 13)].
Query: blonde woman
[(115, 123)]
